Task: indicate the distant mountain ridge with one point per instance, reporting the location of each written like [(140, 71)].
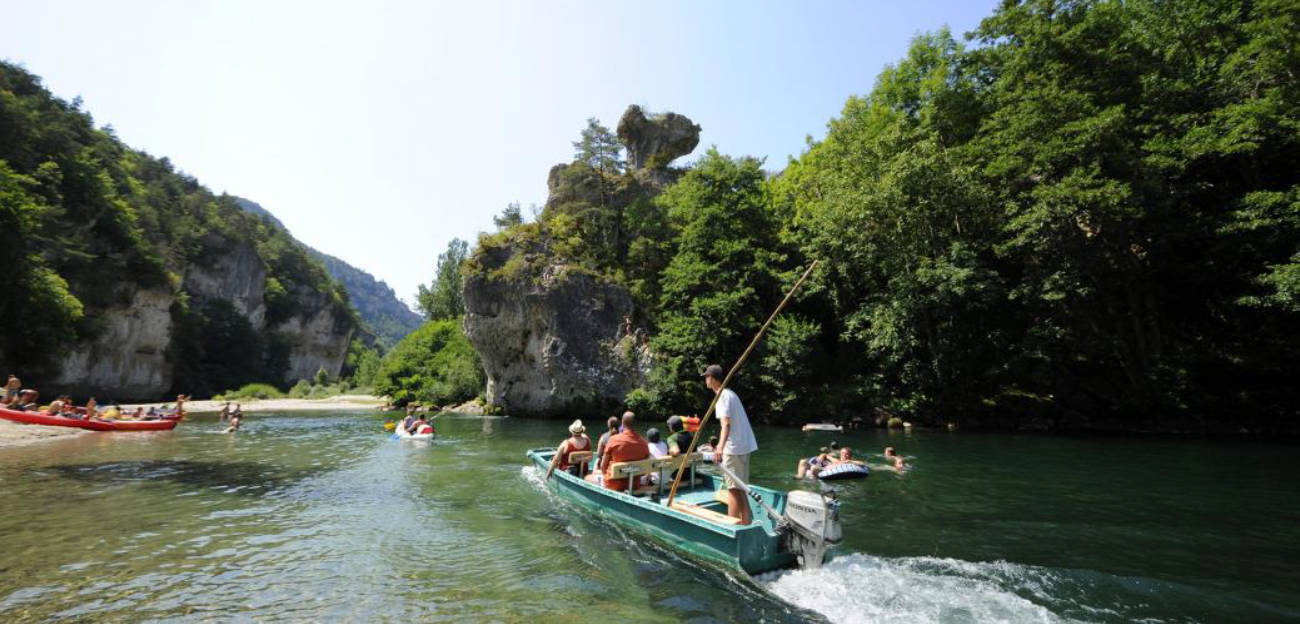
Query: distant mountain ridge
[(382, 313)]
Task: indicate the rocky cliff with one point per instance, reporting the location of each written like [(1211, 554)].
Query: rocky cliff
[(553, 333), (553, 345), (382, 313), (125, 278)]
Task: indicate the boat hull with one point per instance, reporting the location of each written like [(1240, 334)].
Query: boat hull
[(751, 549), (40, 418)]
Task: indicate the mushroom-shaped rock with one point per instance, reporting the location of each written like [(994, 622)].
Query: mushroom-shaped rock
[(653, 142)]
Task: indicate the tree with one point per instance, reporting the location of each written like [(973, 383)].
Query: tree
[(445, 297), (509, 217), (434, 364), (599, 149), (724, 277)]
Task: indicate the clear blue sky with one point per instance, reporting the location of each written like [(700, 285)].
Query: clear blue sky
[(378, 131)]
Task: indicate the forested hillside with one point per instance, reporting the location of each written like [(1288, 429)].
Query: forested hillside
[(127, 278), (383, 315), (1085, 216)]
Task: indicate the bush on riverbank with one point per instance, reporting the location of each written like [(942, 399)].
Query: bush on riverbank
[(251, 391), (435, 365)]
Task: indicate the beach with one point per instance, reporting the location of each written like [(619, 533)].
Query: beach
[(18, 434), (339, 402)]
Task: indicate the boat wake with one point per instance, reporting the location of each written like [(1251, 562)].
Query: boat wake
[(862, 588)]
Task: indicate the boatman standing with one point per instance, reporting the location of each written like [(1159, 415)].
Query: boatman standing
[(736, 442)]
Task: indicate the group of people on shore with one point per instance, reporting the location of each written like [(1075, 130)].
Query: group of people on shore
[(21, 399)]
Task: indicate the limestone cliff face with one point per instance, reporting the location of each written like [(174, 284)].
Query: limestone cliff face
[(551, 335), (128, 358), (552, 346), (238, 277), (318, 338)]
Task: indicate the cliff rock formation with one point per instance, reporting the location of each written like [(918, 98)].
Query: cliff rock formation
[(551, 332), (551, 346), (654, 141), (382, 313)]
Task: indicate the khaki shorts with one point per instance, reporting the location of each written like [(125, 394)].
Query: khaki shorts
[(739, 466)]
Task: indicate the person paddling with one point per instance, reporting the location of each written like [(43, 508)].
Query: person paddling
[(736, 442)]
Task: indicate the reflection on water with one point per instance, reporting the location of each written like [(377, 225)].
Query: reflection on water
[(323, 517)]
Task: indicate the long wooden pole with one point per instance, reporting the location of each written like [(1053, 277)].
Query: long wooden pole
[(735, 367)]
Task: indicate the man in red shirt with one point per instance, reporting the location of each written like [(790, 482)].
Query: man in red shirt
[(623, 447)]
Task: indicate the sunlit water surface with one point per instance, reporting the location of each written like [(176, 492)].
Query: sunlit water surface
[(322, 517)]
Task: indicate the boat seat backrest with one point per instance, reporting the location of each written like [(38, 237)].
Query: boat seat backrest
[(623, 470), (579, 456), (581, 459), (673, 463)]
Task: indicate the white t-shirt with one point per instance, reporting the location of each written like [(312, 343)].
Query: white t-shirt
[(740, 438), (659, 449)]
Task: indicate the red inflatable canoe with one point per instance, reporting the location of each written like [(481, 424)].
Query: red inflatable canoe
[(41, 418)]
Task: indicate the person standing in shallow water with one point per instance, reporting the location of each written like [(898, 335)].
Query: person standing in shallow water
[(736, 442)]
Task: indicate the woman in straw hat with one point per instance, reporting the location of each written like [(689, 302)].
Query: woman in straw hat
[(577, 441)]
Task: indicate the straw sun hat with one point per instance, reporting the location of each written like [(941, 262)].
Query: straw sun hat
[(577, 427)]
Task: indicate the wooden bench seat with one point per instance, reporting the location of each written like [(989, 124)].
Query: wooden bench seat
[(706, 514), (665, 467)]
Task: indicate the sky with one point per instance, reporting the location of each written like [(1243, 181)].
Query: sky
[(378, 131)]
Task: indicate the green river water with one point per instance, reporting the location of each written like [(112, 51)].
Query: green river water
[(321, 517)]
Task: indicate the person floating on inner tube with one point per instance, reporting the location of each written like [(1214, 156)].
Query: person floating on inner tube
[(813, 465)]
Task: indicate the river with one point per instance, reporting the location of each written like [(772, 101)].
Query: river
[(321, 517)]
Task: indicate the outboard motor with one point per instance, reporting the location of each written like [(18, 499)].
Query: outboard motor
[(814, 525)]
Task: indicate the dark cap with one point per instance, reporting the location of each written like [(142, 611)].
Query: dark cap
[(674, 423), (714, 371)]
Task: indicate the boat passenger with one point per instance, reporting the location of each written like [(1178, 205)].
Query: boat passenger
[(92, 409), (26, 401), (612, 428), (658, 448), (678, 439), (419, 423), (139, 414), (12, 385), (626, 446), (55, 407), (709, 449), (576, 442)]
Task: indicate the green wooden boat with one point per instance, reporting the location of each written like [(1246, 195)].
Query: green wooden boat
[(789, 529)]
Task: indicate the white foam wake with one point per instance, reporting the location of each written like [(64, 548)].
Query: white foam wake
[(861, 588)]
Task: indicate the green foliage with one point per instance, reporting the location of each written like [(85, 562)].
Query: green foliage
[(509, 217), (1094, 208), (86, 223), (445, 297), (724, 278), (215, 347), (251, 391), (434, 365), (599, 149)]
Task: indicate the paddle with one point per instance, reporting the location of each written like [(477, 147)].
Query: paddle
[(744, 356)]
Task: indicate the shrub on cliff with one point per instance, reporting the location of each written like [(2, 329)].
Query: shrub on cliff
[(435, 365)]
